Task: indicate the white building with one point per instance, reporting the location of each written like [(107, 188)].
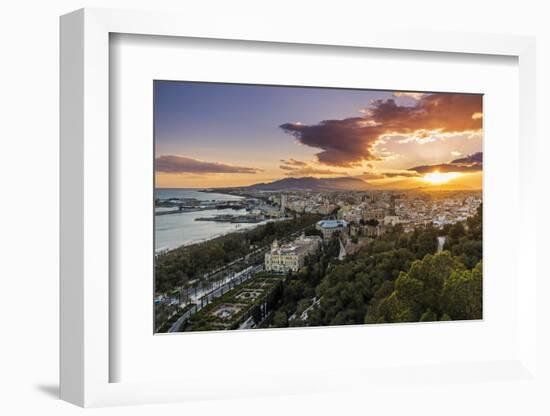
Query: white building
[(329, 227), (282, 258)]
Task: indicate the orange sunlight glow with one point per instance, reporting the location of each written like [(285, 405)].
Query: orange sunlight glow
[(438, 178)]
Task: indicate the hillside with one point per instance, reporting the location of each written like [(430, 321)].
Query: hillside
[(314, 184)]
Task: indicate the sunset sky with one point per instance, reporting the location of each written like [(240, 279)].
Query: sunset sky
[(219, 135)]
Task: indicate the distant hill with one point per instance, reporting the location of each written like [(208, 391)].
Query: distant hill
[(345, 183)]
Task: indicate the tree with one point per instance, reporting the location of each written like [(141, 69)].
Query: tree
[(411, 293), (303, 304), (270, 228), (333, 245), (374, 315), (311, 230), (462, 294), (471, 252), (418, 290), (456, 231), (280, 319), (475, 226), (393, 309), (256, 313), (426, 243), (428, 316)]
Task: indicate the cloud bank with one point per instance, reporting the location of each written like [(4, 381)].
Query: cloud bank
[(471, 163), (183, 164), (349, 142)]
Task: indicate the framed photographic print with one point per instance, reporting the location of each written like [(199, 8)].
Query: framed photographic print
[(367, 211), (281, 213)]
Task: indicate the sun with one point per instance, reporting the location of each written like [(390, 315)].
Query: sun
[(438, 178)]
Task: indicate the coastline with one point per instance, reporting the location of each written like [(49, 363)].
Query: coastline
[(188, 223), (200, 190), (216, 236), (175, 193), (188, 244), (199, 241)]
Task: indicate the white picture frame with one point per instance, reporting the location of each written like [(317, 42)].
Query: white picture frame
[(85, 210)]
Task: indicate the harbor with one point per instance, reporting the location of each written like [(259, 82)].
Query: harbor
[(234, 219), (188, 216)]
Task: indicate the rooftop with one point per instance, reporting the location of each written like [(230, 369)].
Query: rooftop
[(298, 246), (332, 223)]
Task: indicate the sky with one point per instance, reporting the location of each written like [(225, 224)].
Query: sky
[(210, 135)]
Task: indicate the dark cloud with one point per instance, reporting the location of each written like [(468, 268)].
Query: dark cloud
[(182, 164), (471, 163), (444, 112), (343, 142), (350, 141), (475, 158)]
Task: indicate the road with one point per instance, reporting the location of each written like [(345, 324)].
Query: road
[(237, 278)]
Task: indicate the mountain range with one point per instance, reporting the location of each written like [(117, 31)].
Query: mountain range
[(345, 183)]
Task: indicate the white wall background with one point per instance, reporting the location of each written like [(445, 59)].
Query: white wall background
[(29, 195)]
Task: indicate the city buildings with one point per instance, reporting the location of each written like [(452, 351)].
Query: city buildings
[(391, 220), (351, 213), (374, 213), (409, 208)]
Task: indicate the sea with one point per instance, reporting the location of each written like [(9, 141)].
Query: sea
[(181, 229)]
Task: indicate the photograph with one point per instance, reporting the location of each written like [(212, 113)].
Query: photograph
[(282, 206), (223, 208)]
